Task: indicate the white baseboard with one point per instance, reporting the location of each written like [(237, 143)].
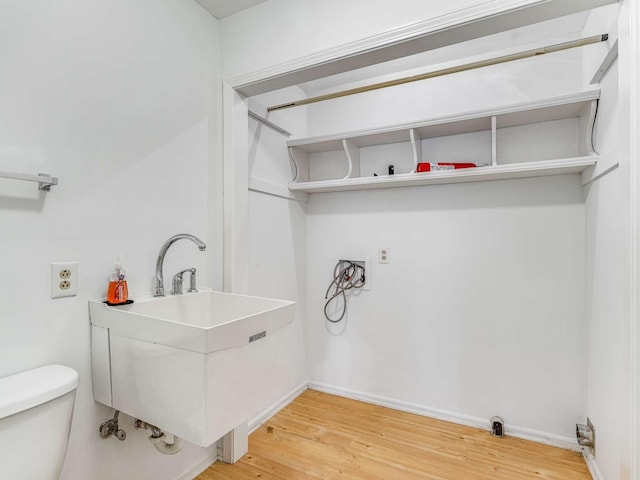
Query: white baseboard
[(200, 467), (592, 465), (461, 419), (259, 420)]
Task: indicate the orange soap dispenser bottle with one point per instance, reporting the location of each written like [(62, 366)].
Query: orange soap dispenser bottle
[(117, 293)]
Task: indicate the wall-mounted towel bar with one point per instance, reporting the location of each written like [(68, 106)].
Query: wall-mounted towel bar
[(45, 181)]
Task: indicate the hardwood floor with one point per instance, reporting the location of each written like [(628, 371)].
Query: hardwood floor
[(320, 436)]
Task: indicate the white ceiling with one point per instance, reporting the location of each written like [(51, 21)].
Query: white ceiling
[(224, 8)]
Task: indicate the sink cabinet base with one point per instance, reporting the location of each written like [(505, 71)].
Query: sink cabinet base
[(196, 396)]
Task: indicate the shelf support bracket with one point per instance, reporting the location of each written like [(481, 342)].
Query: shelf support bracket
[(416, 147), (608, 60), (494, 140), (353, 157)]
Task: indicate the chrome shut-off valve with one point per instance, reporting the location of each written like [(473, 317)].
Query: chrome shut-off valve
[(111, 427)]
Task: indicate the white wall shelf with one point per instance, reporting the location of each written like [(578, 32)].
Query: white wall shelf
[(531, 139), (480, 174)]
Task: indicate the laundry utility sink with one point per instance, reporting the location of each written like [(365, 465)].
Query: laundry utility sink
[(196, 365), (203, 322)]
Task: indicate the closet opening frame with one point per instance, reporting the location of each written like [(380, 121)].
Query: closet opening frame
[(384, 47)]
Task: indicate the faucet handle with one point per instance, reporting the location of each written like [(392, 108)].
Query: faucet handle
[(177, 281), (177, 284)]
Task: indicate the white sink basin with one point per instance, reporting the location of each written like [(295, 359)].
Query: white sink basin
[(196, 365), (203, 322)]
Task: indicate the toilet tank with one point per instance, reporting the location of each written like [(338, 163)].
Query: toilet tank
[(35, 420)]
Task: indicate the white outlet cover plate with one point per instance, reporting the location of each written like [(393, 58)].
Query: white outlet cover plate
[(367, 268), (384, 255), (57, 279)]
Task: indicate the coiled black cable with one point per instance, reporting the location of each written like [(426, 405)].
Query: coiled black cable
[(346, 275)]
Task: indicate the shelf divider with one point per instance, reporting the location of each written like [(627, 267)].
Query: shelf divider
[(494, 140), (416, 147), (300, 159), (353, 157)]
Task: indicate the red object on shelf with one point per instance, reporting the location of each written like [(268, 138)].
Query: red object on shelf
[(440, 166)]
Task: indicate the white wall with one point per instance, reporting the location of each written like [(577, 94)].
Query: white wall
[(608, 356), (290, 29), (118, 100), (520, 81), (277, 269), (277, 240), (479, 311)]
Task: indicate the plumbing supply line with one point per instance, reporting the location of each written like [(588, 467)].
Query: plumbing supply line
[(111, 427), (448, 71), (346, 275)]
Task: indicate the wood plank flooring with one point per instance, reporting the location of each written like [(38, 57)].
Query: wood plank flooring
[(320, 436)]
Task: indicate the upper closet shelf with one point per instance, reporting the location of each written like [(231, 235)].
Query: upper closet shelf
[(480, 174), (544, 137)]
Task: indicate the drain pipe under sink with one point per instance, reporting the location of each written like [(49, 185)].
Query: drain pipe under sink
[(159, 439), (167, 448)]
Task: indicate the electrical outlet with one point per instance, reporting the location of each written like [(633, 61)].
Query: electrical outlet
[(64, 279), (383, 255)]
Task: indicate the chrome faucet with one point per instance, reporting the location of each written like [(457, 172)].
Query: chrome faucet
[(163, 251)]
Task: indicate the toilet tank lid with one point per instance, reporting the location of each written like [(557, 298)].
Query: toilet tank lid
[(28, 389)]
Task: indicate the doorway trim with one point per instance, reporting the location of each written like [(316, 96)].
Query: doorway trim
[(634, 160)]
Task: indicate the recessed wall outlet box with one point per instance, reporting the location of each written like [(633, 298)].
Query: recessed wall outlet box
[(384, 255), (64, 279), (362, 261)]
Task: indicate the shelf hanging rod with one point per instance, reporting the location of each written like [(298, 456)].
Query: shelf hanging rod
[(45, 181), (448, 71)]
